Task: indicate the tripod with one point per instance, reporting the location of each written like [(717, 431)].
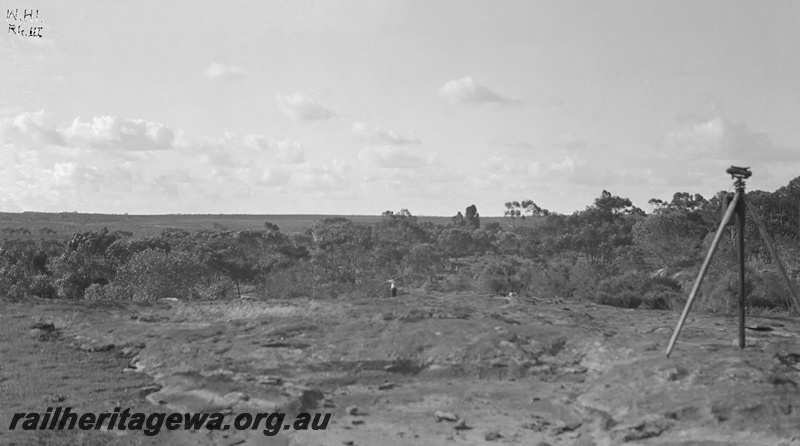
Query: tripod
[(736, 205)]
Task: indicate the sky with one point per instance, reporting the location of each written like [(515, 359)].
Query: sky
[(358, 107)]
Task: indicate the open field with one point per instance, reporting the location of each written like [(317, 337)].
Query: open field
[(516, 370)]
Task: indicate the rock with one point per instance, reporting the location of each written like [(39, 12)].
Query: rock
[(447, 416), (351, 410), (53, 398), (129, 352), (92, 348), (147, 390), (386, 386), (649, 426), (37, 333), (461, 425), (357, 421), (569, 427), (492, 436), (44, 326), (270, 380), (328, 403)]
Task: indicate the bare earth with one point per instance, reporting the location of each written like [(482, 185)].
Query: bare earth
[(512, 371)]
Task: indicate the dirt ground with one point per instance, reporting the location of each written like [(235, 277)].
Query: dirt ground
[(393, 371)]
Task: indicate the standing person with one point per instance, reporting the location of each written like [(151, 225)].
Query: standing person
[(393, 288)]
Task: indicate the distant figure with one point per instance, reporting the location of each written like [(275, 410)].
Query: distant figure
[(393, 288)]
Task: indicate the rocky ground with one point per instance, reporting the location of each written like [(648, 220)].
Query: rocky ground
[(426, 369)]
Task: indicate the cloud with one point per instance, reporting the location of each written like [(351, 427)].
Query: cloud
[(467, 91), (389, 156), (721, 139), (111, 132), (569, 142), (322, 179), (218, 71), (35, 127), (376, 136), (505, 165), (111, 164), (567, 165), (284, 151), (302, 107)]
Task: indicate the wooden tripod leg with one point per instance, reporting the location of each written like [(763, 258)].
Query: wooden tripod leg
[(762, 229), (725, 220), (740, 215)]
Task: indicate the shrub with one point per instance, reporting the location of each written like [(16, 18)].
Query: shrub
[(219, 290), (634, 289), (152, 274), (661, 297), (43, 286), (96, 291), (285, 283)]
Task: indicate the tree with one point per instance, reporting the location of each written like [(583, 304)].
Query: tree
[(423, 259), (343, 249), (154, 274), (395, 235), (85, 261), (671, 236), (523, 210), (472, 218), (456, 242)]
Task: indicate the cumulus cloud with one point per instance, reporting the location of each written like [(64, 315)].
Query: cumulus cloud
[(376, 136), (111, 164), (567, 165), (327, 178), (721, 139), (284, 151), (218, 71), (390, 156), (302, 107), (111, 132), (467, 91), (32, 127)]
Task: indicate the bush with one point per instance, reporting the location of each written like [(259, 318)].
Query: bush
[(775, 294), (287, 283), (638, 290), (152, 274), (43, 287), (96, 291), (661, 297), (219, 290)]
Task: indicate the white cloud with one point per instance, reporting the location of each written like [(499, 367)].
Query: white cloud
[(284, 151), (389, 156), (302, 107), (467, 91), (218, 71), (320, 179), (569, 142), (721, 139), (567, 165), (35, 127), (375, 136), (116, 133), (505, 165), (110, 164)]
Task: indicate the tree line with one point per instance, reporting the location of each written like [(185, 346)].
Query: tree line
[(612, 252)]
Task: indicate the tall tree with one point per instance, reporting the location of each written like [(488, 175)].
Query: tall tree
[(472, 218)]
